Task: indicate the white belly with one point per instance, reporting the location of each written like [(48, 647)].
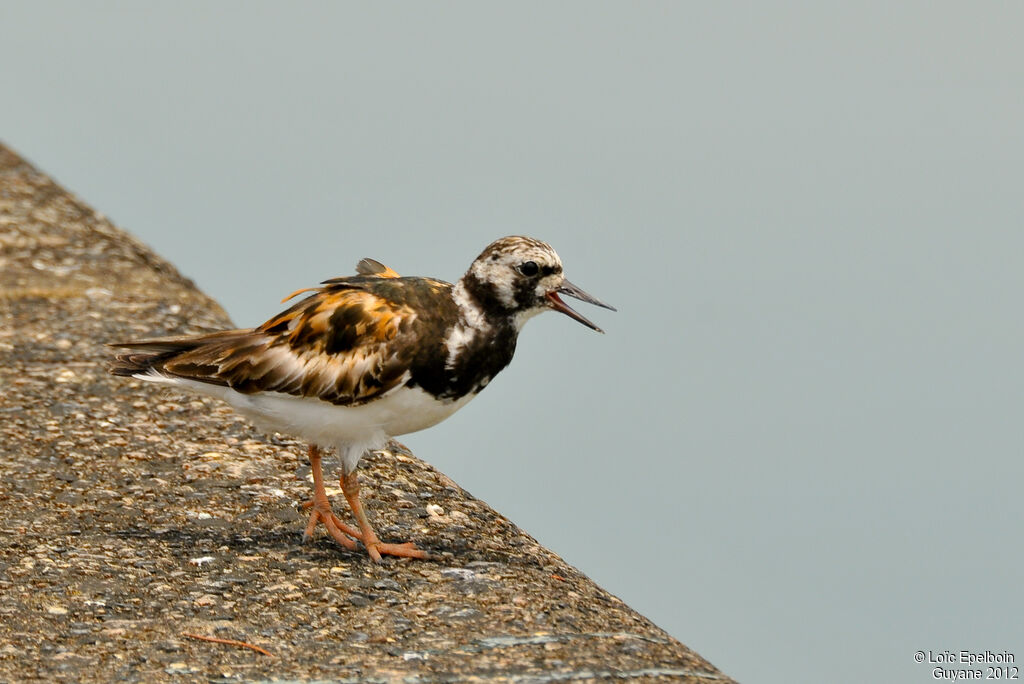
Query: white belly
[(351, 429), (398, 413)]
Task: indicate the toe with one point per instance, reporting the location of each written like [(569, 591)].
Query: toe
[(406, 550)]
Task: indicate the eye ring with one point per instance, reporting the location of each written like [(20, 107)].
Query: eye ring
[(528, 268)]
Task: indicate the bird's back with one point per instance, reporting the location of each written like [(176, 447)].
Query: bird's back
[(354, 339)]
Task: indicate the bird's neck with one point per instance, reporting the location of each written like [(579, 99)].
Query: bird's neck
[(479, 344), (481, 305), (476, 311)]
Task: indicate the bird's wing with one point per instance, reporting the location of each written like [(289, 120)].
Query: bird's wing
[(366, 267), (342, 344), (372, 267)]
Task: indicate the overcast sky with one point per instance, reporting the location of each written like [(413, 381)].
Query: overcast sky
[(798, 446)]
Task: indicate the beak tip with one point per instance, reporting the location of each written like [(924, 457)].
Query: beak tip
[(575, 292)]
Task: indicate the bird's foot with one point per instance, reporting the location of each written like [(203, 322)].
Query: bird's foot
[(339, 529), (347, 529), (322, 513)]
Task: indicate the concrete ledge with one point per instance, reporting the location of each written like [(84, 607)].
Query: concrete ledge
[(130, 515)]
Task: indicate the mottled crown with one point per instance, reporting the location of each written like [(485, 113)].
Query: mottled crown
[(518, 246)]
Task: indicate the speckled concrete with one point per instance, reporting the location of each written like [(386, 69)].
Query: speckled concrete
[(131, 514)]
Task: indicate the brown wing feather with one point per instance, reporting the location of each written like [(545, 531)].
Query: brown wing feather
[(372, 267), (340, 345)]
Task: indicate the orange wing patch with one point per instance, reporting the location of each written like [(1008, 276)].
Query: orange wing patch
[(295, 294), (343, 345), (340, 320), (337, 345)]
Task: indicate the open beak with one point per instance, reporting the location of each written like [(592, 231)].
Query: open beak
[(569, 289)]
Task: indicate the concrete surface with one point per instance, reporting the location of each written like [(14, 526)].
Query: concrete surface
[(131, 514)]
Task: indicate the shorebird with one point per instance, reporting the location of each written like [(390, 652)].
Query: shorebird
[(365, 358)]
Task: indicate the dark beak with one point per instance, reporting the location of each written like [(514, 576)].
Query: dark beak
[(569, 289)]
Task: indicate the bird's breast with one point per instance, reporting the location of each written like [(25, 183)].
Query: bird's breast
[(467, 360)]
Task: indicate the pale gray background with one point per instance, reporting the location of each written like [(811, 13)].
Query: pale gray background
[(798, 448)]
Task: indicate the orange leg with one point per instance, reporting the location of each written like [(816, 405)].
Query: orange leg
[(322, 513), (374, 546), (322, 508)]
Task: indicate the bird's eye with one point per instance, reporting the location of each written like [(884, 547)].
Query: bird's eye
[(529, 268)]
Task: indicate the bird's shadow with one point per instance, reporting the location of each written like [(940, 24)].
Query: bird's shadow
[(187, 542)]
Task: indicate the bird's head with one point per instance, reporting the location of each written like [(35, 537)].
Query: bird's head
[(523, 276)]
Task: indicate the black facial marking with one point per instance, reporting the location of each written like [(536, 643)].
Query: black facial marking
[(524, 294)]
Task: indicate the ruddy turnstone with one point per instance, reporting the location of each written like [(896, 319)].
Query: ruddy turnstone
[(365, 358)]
